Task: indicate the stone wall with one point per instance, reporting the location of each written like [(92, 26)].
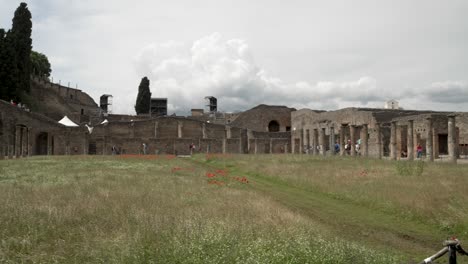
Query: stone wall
[(258, 118)]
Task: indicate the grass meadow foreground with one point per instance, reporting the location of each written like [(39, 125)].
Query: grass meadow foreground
[(228, 209)]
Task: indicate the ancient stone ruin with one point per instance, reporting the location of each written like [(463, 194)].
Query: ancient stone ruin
[(392, 133)]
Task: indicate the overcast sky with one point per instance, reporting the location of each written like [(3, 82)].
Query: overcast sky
[(300, 53)]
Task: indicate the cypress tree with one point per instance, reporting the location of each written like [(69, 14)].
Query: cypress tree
[(8, 68), (21, 34), (142, 105)]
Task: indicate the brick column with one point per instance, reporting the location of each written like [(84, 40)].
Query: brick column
[(429, 154), (322, 141), (393, 143), (364, 141), (301, 141), (332, 140), (204, 130), (410, 140), (18, 141), (379, 140), (352, 132), (435, 143), (156, 126), (271, 146), (342, 140), (315, 142), (452, 146), (179, 130)]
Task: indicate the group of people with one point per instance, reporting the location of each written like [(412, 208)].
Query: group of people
[(348, 147), (20, 105)]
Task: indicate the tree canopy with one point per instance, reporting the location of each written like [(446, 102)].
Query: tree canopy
[(21, 32), (142, 105), (40, 65)]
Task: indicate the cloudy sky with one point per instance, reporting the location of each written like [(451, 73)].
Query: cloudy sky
[(300, 53)]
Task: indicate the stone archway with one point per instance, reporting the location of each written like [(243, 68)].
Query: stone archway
[(41, 143), (273, 126)]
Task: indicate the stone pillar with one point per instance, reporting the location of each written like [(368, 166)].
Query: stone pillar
[(228, 131), (393, 143), (179, 130), (249, 137), (410, 140), (256, 147), (378, 140), (435, 143), (452, 146), (364, 141), (342, 140), (308, 141), (18, 141), (156, 125), (429, 154), (352, 132), (301, 141), (271, 146), (204, 130), (224, 145), (24, 143), (315, 142), (49, 144), (332, 141), (322, 141)]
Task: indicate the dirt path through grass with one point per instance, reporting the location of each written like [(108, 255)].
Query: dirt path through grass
[(345, 219)]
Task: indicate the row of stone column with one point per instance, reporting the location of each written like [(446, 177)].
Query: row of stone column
[(432, 143), (319, 139)]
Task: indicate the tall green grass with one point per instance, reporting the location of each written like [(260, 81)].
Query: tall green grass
[(114, 210)]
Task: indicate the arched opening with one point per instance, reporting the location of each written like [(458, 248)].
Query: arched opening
[(41, 143), (273, 126)]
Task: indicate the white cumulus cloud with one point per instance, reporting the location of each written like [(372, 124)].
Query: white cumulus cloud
[(226, 69)]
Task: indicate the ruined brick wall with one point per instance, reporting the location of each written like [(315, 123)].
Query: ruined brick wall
[(56, 101), (258, 118)]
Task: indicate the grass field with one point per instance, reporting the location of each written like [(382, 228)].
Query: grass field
[(228, 209)]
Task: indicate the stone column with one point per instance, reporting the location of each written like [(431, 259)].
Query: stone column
[(18, 141), (410, 140), (228, 131), (410, 136), (256, 147), (342, 140), (393, 143), (352, 132), (156, 125), (271, 146), (321, 141), (49, 144), (204, 130), (429, 154), (378, 140), (332, 140), (364, 141), (224, 145), (308, 141), (179, 130), (315, 141), (451, 139), (301, 141), (435, 143)]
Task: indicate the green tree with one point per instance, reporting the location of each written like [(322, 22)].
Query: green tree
[(40, 65), (8, 68), (142, 105), (21, 34)]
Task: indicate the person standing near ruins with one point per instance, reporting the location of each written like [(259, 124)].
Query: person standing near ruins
[(419, 150), (144, 148)]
